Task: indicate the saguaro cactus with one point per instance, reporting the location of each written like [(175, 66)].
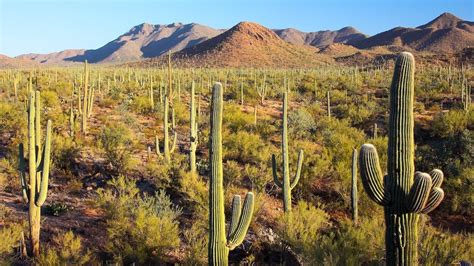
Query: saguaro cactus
[(87, 101), (403, 193), (193, 138), (354, 197), (286, 185), (219, 243), (329, 104), (36, 191)]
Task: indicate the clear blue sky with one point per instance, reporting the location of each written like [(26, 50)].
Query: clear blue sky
[(42, 26)]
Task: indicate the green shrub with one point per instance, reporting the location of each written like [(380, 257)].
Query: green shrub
[(139, 229), (116, 142), (67, 249), (444, 248), (301, 227), (350, 244), (246, 147)]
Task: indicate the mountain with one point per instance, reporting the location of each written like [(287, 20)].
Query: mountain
[(249, 44), (446, 34), (8, 62), (320, 39), (142, 41)]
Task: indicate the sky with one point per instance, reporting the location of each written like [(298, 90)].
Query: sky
[(44, 26)]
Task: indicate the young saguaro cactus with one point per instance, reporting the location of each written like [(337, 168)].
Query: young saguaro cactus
[(403, 193), (286, 185), (193, 138), (219, 243), (88, 100), (36, 191), (354, 197)]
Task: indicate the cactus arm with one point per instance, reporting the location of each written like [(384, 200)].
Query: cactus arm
[(157, 145), (372, 175), (437, 177), (275, 172), (45, 167), (236, 211), (419, 192), (22, 169), (244, 222), (175, 133), (298, 171), (434, 199)]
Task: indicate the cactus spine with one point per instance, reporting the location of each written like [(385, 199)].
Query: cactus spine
[(194, 133), (354, 198), (403, 193), (286, 185), (219, 243), (36, 191)]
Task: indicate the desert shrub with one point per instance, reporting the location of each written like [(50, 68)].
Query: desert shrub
[(245, 147), (301, 227), (259, 175), (65, 154), (9, 239), (141, 105), (301, 124), (350, 244), (57, 208), (66, 249), (12, 118), (451, 123), (116, 142), (235, 119), (444, 248), (9, 176), (140, 229), (196, 238)]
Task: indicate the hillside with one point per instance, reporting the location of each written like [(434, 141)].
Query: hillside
[(142, 41), (447, 34), (8, 62), (249, 44), (320, 39)]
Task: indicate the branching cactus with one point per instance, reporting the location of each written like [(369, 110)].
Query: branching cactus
[(403, 193), (34, 193), (285, 185), (193, 138), (88, 99), (219, 243)]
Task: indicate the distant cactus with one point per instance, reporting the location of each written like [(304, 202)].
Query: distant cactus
[(354, 197), (465, 93), (150, 93), (329, 104), (374, 133), (193, 138), (262, 89), (219, 243), (403, 193), (286, 185), (36, 191), (88, 100)]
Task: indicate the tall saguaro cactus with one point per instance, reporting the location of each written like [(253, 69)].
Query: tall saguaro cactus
[(354, 197), (286, 185), (403, 193), (36, 191), (219, 243), (194, 132), (88, 100)]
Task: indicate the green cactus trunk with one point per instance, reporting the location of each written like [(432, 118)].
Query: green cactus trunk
[(85, 100), (354, 197), (194, 133), (329, 104), (38, 170), (219, 243), (286, 186), (403, 193)]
